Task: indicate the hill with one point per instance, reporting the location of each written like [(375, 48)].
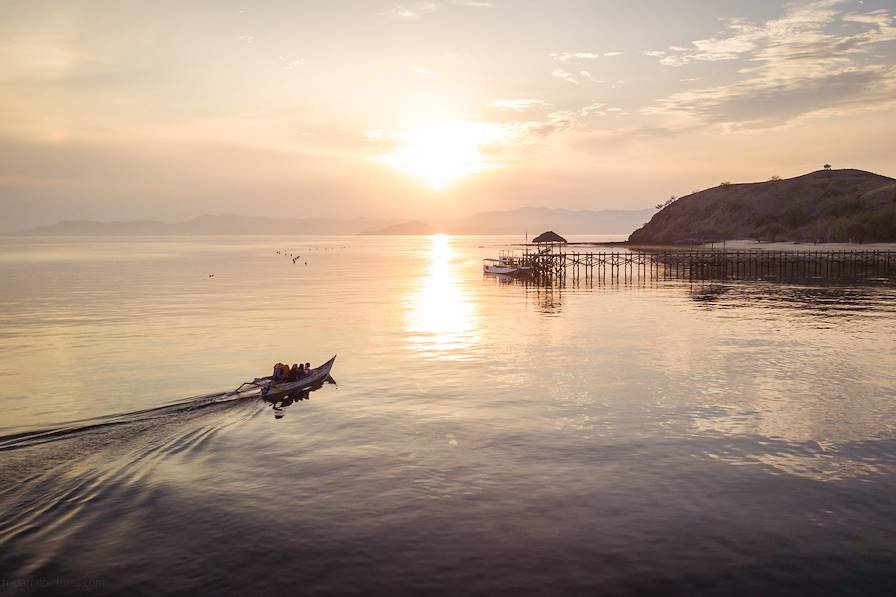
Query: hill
[(823, 206)]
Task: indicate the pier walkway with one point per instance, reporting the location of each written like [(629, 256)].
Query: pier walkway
[(558, 264)]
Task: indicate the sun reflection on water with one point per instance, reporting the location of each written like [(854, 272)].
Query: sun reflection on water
[(442, 320)]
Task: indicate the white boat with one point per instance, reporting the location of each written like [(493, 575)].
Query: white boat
[(508, 263)]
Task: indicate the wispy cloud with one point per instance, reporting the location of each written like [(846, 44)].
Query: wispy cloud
[(587, 75), (411, 11), (517, 105), (802, 33), (583, 75), (567, 56), (557, 122), (564, 76), (814, 57), (415, 10), (574, 56), (490, 142), (291, 64)]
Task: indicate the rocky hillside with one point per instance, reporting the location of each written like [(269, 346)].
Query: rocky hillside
[(824, 206)]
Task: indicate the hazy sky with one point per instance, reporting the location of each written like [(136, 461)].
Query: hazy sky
[(167, 110)]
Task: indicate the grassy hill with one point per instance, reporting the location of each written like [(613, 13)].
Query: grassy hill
[(823, 206)]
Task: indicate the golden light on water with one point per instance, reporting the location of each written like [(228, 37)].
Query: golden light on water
[(442, 319), (443, 153)]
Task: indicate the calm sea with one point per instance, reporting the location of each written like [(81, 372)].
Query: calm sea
[(483, 437)]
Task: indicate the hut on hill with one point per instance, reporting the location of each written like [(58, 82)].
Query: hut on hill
[(549, 237)]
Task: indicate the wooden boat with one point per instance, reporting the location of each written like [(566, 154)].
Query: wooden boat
[(270, 389), (508, 263)]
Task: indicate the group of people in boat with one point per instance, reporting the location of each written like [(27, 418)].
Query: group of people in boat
[(285, 373)]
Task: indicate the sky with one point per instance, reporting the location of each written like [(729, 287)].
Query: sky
[(167, 110)]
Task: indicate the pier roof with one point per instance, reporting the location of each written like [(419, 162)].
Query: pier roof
[(548, 237)]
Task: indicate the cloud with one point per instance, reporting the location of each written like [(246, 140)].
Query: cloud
[(419, 70), (564, 76), (517, 105), (560, 121), (587, 75), (812, 58), (288, 64), (411, 11), (415, 10), (576, 56), (493, 143), (800, 33), (567, 56)]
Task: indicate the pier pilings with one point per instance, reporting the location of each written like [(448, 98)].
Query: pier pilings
[(708, 264)]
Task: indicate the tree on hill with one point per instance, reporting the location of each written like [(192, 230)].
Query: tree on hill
[(667, 203)]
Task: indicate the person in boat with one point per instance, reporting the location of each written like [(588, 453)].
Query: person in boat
[(278, 372), (294, 373), (300, 374), (307, 369)]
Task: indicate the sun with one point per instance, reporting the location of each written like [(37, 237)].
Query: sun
[(443, 153)]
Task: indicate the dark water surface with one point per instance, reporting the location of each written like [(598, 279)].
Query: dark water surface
[(484, 437)]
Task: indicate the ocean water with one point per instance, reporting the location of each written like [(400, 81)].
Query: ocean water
[(483, 437)]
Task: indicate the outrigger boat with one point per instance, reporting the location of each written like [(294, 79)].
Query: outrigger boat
[(271, 389), (508, 263)]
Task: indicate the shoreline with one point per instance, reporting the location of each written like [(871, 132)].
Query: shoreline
[(738, 245)]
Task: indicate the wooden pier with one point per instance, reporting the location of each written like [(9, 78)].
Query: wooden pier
[(560, 265)]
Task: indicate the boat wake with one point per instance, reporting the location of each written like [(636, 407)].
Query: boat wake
[(30, 437)]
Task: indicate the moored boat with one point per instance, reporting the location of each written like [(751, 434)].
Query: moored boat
[(508, 263)]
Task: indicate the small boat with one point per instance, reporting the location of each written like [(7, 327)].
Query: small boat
[(271, 389), (508, 263)]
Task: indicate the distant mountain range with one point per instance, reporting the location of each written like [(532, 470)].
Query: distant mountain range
[(533, 220), (211, 225), (518, 221)]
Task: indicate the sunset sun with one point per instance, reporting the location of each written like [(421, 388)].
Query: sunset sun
[(443, 153)]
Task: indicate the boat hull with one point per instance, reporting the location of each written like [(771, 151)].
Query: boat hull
[(318, 376), (506, 271), (497, 269)]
